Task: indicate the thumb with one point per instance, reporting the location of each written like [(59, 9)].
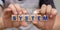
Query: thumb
[(7, 18), (7, 10), (36, 23)]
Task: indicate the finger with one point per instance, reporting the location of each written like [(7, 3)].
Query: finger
[(41, 25), (16, 23), (7, 10), (11, 6), (53, 12), (19, 10), (38, 11), (24, 11), (43, 9), (23, 23), (49, 8), (36, 23)]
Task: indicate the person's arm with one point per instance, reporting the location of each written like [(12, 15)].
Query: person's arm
[(1, 23), (47, 2)]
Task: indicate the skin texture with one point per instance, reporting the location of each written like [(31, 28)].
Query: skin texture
[(14, 9), (57, 23)]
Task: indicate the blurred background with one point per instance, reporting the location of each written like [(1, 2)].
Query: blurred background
[(57, 4)]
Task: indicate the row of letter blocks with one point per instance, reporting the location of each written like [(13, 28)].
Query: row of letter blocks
[(29, 17)]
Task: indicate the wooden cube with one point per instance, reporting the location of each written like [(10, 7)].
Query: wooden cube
[(39, 17), (20, 17), (26, 17), (14, 17), (32, 17), (45, 18)]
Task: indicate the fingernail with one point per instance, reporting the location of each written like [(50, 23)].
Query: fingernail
[(20, 12), (55, 12), (51, 16)]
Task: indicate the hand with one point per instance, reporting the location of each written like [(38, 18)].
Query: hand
[(51, 13), (13, 9)]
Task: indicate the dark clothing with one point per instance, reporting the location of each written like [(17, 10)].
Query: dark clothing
[(3, 1), (46, 2)]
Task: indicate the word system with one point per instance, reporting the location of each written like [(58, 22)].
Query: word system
[(29, 17)]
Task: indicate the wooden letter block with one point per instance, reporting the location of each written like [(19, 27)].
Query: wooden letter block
[(39, 17), (32, 17), (20, 17), (26, 17), (14, 17), (45, 18)]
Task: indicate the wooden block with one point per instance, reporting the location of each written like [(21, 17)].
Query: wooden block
[(26, 17), (14, 17), (45, 18), (39, 17), (20, 17), (32, 17)]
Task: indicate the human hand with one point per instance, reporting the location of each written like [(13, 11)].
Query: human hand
[(13, 9), (50, 12)]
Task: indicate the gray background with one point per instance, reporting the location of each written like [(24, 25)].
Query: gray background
[(57, 4)]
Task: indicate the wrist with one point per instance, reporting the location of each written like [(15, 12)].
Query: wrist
[(1, 24)]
